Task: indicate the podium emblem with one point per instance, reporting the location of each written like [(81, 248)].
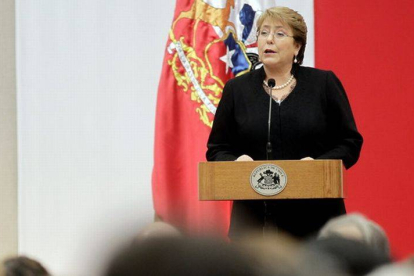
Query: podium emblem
[(268, 179)]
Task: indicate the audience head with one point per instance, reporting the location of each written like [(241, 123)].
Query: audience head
[(353, 256), (23, 266), (273, 256), (357, 227), (397, 269), (279, 254), (180, 256)]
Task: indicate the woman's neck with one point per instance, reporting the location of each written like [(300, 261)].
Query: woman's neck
[(279, 75)]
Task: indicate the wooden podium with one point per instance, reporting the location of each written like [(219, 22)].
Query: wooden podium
[(303, 179)]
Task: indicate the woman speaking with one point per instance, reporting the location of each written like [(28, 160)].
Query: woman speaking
[(311, 119)]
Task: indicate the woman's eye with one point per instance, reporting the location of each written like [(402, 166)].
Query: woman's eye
[(280, 34)]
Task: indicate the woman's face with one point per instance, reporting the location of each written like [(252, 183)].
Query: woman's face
[(276, 45)]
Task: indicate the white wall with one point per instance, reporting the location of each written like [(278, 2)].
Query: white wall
[(8, 132), (87, 78)]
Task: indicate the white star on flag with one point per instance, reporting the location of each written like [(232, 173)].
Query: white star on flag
[(227, 59)]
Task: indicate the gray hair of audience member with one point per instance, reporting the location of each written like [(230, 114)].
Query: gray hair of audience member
[(358, 227), (279, 254), (23, 266), (396, 269)]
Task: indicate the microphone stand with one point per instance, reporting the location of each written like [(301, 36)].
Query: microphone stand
[(269, 227), (269, 148)]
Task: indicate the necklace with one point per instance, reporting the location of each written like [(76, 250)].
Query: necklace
[(280, 86), (284, 96)]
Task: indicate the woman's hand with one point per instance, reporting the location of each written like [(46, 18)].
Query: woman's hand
[(244, 157), (307, 158)]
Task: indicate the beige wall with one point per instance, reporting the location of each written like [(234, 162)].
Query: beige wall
[(8, 136)]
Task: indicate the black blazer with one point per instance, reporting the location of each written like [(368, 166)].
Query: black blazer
[(314, 120)]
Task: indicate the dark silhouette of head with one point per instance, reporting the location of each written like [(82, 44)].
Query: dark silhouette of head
[(180, 256), (23, 266), (352, 256)]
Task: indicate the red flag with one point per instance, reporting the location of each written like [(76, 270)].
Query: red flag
[(192, 80)]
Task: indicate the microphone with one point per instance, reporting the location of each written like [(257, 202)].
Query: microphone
[(270, 84)]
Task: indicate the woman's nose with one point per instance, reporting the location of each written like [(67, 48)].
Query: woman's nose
[(270, 38)]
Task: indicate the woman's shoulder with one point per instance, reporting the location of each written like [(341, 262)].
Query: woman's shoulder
[(310, 71), (314, 75)]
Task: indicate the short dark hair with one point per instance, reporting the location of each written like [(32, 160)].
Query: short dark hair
[(180, 256), (24, 266)]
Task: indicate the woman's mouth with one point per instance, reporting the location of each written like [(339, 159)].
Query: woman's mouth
[(269, 51)]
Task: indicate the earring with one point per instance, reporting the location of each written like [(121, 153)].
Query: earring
[(295, 60)]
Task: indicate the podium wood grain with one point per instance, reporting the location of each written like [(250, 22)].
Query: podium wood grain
[(305, 179)]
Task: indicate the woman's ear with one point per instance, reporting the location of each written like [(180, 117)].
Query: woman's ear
[(297, 46)]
